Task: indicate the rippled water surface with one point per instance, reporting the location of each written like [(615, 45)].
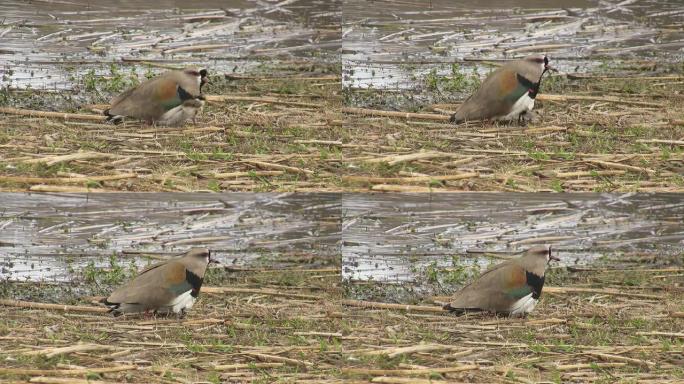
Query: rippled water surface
[(396, 238), (394, 45), (46, 237), (46, 44)]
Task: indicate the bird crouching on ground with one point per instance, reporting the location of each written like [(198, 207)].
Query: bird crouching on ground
[(168, 99), (512, 288), (507, 94), (171, 286)]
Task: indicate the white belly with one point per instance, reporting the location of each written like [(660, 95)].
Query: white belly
[(523, 306), (179, 115), (182, 302), (524, 104)]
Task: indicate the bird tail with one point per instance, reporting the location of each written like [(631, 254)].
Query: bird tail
[(113, 307), (455, 120), (114, 119), (460, 310)]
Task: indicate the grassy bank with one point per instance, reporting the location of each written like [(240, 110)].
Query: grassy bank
[(259, 325)]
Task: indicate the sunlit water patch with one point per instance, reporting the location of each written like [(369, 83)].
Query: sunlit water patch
[(435, 242), (52, 237)]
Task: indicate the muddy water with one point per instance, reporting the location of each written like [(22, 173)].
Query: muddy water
[(397, 238), (51, 237), (45, 44), (395, 45)]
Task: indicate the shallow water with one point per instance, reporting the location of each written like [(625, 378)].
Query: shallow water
[(394, 45), (396, 238), (51, 237), (44, 44)]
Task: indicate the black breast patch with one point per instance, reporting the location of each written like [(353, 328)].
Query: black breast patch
[(195, 281), (532, 88), (536, 283), (184, 95)]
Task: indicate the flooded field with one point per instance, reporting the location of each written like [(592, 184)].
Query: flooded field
[(437, 50), (432, 244), (59, 237), (53, 44)]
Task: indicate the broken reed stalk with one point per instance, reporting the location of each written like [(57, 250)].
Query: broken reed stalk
[(398, 159), (231, 175), (67, 189), (406, 380), (264, 291), (57, 307), (408, 372), (280, 359), (52, 160), (52, 352), (57, 115), (394, 352), (404, 115), (64, 380), (608, 99), (268, 100), (625, 167), (407, 180), (624, 359), (230, 367), (65, 372), (567, 175), (64, 180), (606, 291), (403, 307), (279, 167), (407, 189)]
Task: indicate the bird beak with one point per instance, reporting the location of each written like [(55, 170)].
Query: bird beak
[(548, 67), (551, 256)]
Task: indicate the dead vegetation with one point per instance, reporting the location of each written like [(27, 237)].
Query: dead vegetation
[(593, 325), (263, 134), (593, 134), (289, 134)]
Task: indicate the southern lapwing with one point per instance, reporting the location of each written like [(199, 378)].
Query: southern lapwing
[(507, 93), (168, 287), (511, 288), (168, 99)]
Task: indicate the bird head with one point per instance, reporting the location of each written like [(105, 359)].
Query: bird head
[(542, 61), (543, 251), (201, 76), (548, 67), (201, 253)]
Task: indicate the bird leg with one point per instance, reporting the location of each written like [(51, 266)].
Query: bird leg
[(527, 117), (182, 314)]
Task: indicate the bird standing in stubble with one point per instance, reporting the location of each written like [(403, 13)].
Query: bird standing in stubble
[(512, 287), (171, 286), (507, 93), (168, 99)]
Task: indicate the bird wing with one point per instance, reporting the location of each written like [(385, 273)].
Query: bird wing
[(487, 101), (494, 98), (496, 289), (149, 100), (155, 286)]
